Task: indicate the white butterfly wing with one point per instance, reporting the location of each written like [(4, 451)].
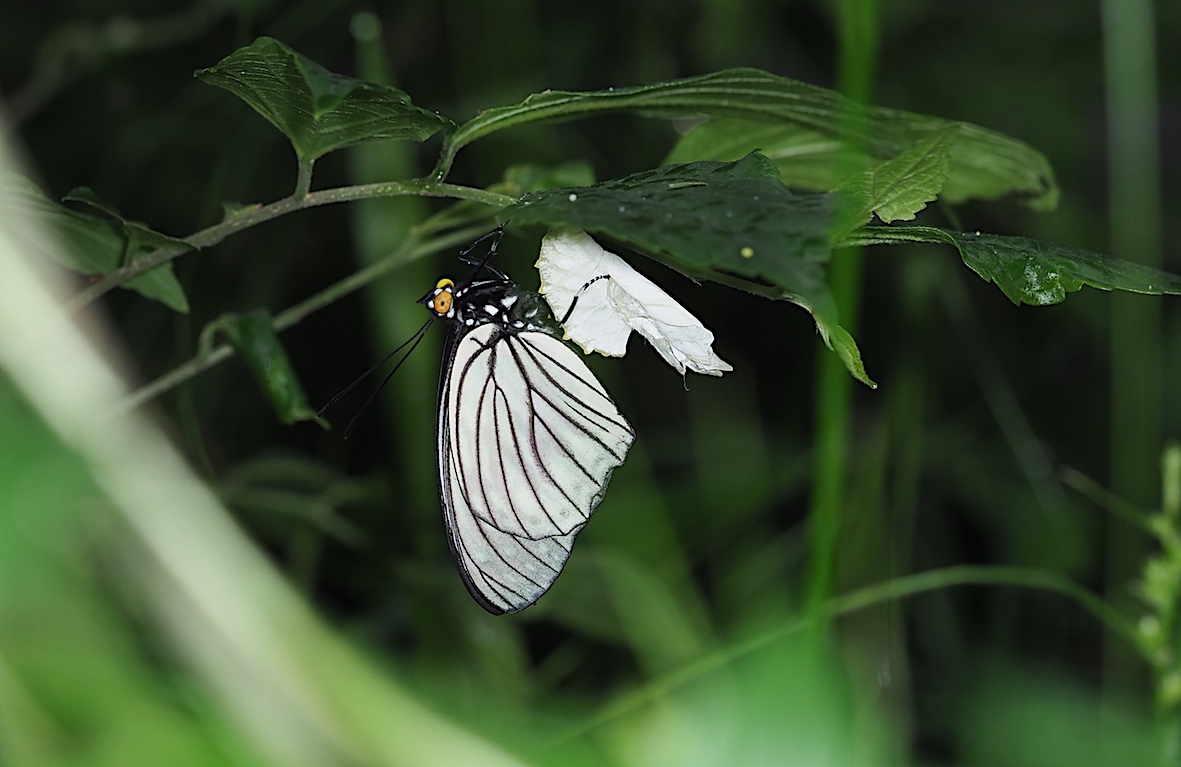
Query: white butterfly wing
[(528, 439)]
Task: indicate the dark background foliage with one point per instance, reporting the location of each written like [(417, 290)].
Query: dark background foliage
[(954, 458)]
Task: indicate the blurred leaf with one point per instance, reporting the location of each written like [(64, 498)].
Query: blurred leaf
[(317, 110), (1031, 271), (897, 189), (708, 219), (985, 164), (253, 336), (96, 245), (529, 177)]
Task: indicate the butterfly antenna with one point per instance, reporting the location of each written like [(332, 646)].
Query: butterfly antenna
[(418, 334), (417, 339), (574, 301)]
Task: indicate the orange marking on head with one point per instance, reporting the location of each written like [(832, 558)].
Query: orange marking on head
[(441, 303)]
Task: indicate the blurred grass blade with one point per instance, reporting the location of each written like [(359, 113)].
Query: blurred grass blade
[(319, 111), (1031, 271), (297, 691)]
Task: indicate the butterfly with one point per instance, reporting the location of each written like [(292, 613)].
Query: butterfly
[(527, 437)]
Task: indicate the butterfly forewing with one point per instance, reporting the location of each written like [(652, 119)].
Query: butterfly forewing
[(528, 439)]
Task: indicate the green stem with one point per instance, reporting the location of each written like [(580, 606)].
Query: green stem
[(834, 386), (303, 179), (890, 591), (1105, 499), (1137, 348), (255, 216), (295, 314)]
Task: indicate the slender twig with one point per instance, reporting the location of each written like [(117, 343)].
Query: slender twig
[(296, 313), (254, 216)]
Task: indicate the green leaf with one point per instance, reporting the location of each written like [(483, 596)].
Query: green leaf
[(897, 189), (317, 110), (815, 121), (97, 245), (253, 336), (813, 153), (528, 177), (838, 340), (1030, 271), (807, 159), (708, 219), (159, 284)]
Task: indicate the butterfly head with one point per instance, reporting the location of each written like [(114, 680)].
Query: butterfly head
[(441, 300)]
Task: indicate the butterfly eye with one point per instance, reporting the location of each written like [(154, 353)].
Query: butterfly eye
[(441, 304)]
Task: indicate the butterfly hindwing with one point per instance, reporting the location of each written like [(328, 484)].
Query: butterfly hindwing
[(528, 439)]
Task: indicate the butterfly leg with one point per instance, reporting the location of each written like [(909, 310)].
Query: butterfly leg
[(466, 256)]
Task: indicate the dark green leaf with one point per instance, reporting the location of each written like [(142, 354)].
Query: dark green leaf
[(1030, 271), (317, 110), (141, 237), (811, 121), (710, 220), (253, 336), (97, 245)]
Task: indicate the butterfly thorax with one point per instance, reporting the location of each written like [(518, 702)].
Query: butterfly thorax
[(512, 309)]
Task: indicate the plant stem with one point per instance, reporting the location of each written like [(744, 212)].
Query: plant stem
[(880, 593), (303, 179), (1137, 400), (293, 315), (254, 216), (834, 386)]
